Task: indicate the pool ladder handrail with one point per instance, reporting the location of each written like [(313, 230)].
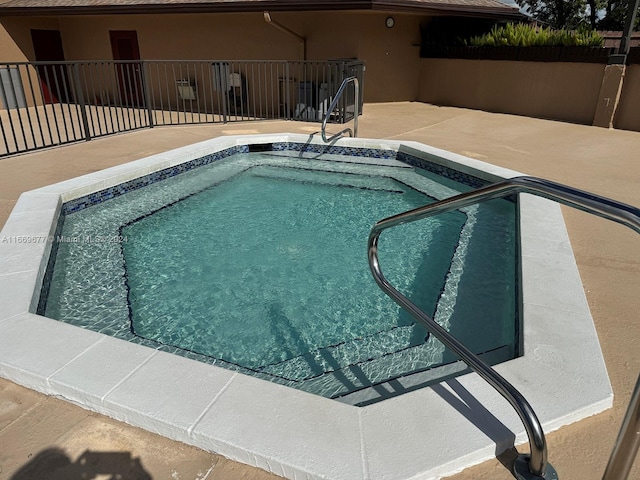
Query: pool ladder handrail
[(534, 465), (356, 110)]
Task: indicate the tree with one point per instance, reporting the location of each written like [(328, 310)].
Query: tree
[(594, 7), (615, 14), (557, 13), (571, 14)]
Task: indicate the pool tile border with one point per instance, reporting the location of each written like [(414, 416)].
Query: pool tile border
[(286, 431), (94, 198)]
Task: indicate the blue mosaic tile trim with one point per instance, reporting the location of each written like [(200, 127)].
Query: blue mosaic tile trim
[(441, 170), (48, 273), (81, 203), (334, 150)]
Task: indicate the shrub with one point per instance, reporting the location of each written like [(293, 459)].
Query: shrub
[(524, 35)]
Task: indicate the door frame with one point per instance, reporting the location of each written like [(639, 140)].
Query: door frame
[(54, 79), (129, 74)]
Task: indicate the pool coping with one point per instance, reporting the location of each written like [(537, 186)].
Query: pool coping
[(289, 432)]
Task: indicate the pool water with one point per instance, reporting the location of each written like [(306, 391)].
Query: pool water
[(258, 263)]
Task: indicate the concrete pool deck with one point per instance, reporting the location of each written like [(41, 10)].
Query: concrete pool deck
[(589, 158)]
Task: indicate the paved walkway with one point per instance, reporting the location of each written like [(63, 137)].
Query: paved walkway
[(40, 435)]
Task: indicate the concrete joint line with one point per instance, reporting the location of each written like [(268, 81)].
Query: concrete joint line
[(208, 407), (363, 449), (48, 380), (129, 375), (24, 414)]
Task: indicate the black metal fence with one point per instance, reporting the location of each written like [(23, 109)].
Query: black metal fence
[(43, 104)]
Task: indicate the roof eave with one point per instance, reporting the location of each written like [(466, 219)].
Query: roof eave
[(458, 10), (241, 6), (238, 6)]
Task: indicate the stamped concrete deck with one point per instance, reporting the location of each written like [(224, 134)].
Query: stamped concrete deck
[(44, 438)]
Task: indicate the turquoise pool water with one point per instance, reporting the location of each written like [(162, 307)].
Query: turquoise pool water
[(258, 263)]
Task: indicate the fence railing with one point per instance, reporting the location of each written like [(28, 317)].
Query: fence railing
[(43, 104)]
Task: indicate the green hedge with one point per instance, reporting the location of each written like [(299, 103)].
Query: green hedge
[(523, 35)]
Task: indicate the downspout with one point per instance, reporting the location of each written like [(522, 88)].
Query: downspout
[(302, 40)]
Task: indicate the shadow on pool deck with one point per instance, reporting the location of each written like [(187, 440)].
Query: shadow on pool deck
[(602, 161), (54, 464)]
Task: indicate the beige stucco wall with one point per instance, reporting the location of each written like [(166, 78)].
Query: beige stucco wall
[(560, 91), (15, 36), (10, 50), (628, 116), (394, 71), (391, 55), (179, 37), (16, 46)]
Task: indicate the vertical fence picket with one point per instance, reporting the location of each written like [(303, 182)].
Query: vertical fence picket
[(74, 101), (5, 95), (46, 114)]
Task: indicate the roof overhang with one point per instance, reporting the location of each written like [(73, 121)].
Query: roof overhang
[(477, 8)]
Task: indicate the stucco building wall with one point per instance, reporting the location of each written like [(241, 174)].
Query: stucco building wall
[(559, 91), (391, 54), (627, 116), (394, 70), (15, 36)]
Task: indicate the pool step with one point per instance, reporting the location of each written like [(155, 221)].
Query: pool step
[(366, 370), (429, 376), (358, 351), (305, 174)]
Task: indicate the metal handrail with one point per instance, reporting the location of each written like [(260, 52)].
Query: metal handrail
[(628, 441), (618, 212), (356, 110)]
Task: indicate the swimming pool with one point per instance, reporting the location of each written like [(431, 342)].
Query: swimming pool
[(284, 430), (256, 263)]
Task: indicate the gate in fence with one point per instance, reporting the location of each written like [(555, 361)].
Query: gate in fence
[(52, 103)]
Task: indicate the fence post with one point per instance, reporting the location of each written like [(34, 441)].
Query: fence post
[(147, 98), (224, 107), (80, 99)]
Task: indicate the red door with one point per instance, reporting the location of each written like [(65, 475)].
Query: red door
[(124, 46), (47, 46)]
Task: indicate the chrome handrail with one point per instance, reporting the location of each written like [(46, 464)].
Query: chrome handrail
[(356, 110), (626, 447), (618, 212)]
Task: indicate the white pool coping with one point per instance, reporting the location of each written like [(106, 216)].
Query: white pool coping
[(423, 434)]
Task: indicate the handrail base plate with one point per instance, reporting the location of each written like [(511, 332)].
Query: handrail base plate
[(521, 470)]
